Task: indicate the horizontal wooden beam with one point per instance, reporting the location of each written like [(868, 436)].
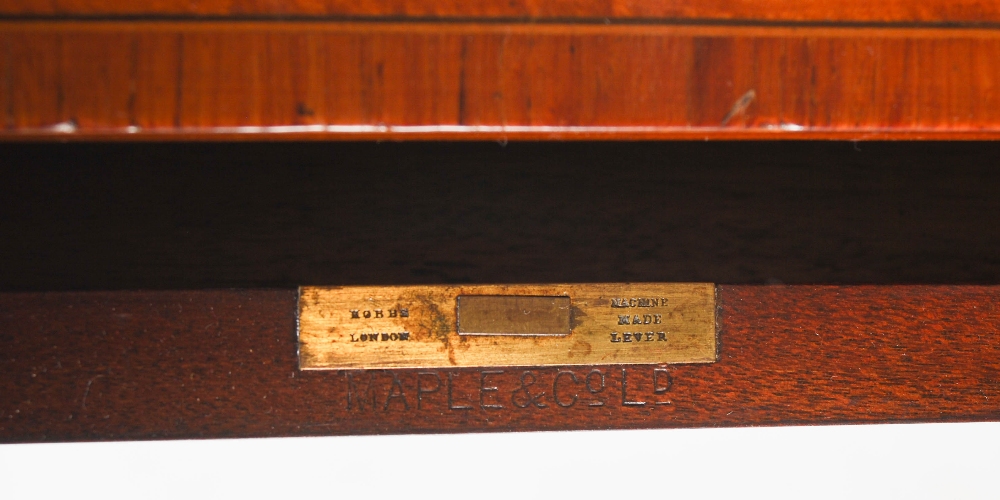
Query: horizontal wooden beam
[(927, 11), (156, 365), (345, 80)]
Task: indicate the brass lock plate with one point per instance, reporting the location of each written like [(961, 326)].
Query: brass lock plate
[(505, 325)]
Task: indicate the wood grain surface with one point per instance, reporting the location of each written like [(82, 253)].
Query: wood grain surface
[(498, 81), (899, 11), (153, 365), (222, 363)]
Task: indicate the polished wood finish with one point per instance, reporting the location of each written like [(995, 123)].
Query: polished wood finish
[(152, 365), (352, 80), (105, 365), (109, 364), (854, 11)]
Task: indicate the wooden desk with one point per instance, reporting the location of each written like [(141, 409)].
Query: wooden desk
[(857, 280)]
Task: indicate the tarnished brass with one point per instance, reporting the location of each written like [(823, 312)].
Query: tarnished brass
[(513, 315), (506, 325)]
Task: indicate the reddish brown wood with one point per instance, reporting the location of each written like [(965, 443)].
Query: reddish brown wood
[(163, 80), (145, 365), (932, 11)]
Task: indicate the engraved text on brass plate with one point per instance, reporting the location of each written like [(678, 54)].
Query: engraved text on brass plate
[(505, 325)]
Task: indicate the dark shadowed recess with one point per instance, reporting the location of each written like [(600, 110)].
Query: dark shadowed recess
[(183, 215)]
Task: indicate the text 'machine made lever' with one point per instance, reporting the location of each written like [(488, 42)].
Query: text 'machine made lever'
[(506, 325)]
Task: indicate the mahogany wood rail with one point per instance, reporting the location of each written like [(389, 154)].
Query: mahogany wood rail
[(86, 80), (823, 11), (152, 365)]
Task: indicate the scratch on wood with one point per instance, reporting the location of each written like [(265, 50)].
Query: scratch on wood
[(461, 80), (86, 392), (9, 83), (133, 78), (740, 106), (499, 94), (179, 91), (60, 91)]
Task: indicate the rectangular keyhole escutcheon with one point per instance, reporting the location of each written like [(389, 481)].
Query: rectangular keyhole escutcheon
[(513, 315), (558, 324)]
